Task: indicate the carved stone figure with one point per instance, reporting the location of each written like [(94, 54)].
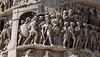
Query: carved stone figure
[(65, 13), (6, 4), (78, 16), (71, 29), (86, 36), (33, 35), (98, 48), (60, 19), (92, 39), (5, 36), (92, 18), (2, 6), (78, 35), (86, 14), (41, 21), (21, 36), (70, 16), (56, 31), (47, 30), (66, 34), (28, 52)]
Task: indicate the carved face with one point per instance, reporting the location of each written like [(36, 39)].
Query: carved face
[(58, 15), (70, 11), (57, 21), (72, 23), (47, 18), (64, 12), (41, 18), (78, 11), (35, 18), (78, 23), (22, 21), (52, 16), (28, 19), (66, 24), (85, 25), (34, 23)]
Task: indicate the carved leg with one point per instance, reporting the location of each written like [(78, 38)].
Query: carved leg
[(94, 45), (80, 43), (35, 39), (68, 44), (74, 42), (32, 41), (44, 40), (91, 45), (27, 39), (86, 43), (77, 43), (64, 42), (41, 39), (19, 41), (50, 40)]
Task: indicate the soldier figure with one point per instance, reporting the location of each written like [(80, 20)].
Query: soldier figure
[(60, 19), (86, 36), (21, 36), (71, 30), (47, 30), (70, 16), (93, 39), (5, 36), (66, 34), (32, 33), (78, 34), (56, 31)]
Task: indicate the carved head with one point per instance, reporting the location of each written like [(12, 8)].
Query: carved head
[(78, 11), (85, 25), (7, 25), (91, 11), (64, 12), (70, 11), (53, 16), (28, 19), (10, 22), (47, 18), (40, 17), (78, 23), (32, 20), (72, 24), (22, 21), (34, 23), (35, 18), (66, 24), (56, 21), (58, 15), (92, 27)]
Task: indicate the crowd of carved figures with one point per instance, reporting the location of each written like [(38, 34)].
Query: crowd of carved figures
[(69, 30), (6, 4)]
